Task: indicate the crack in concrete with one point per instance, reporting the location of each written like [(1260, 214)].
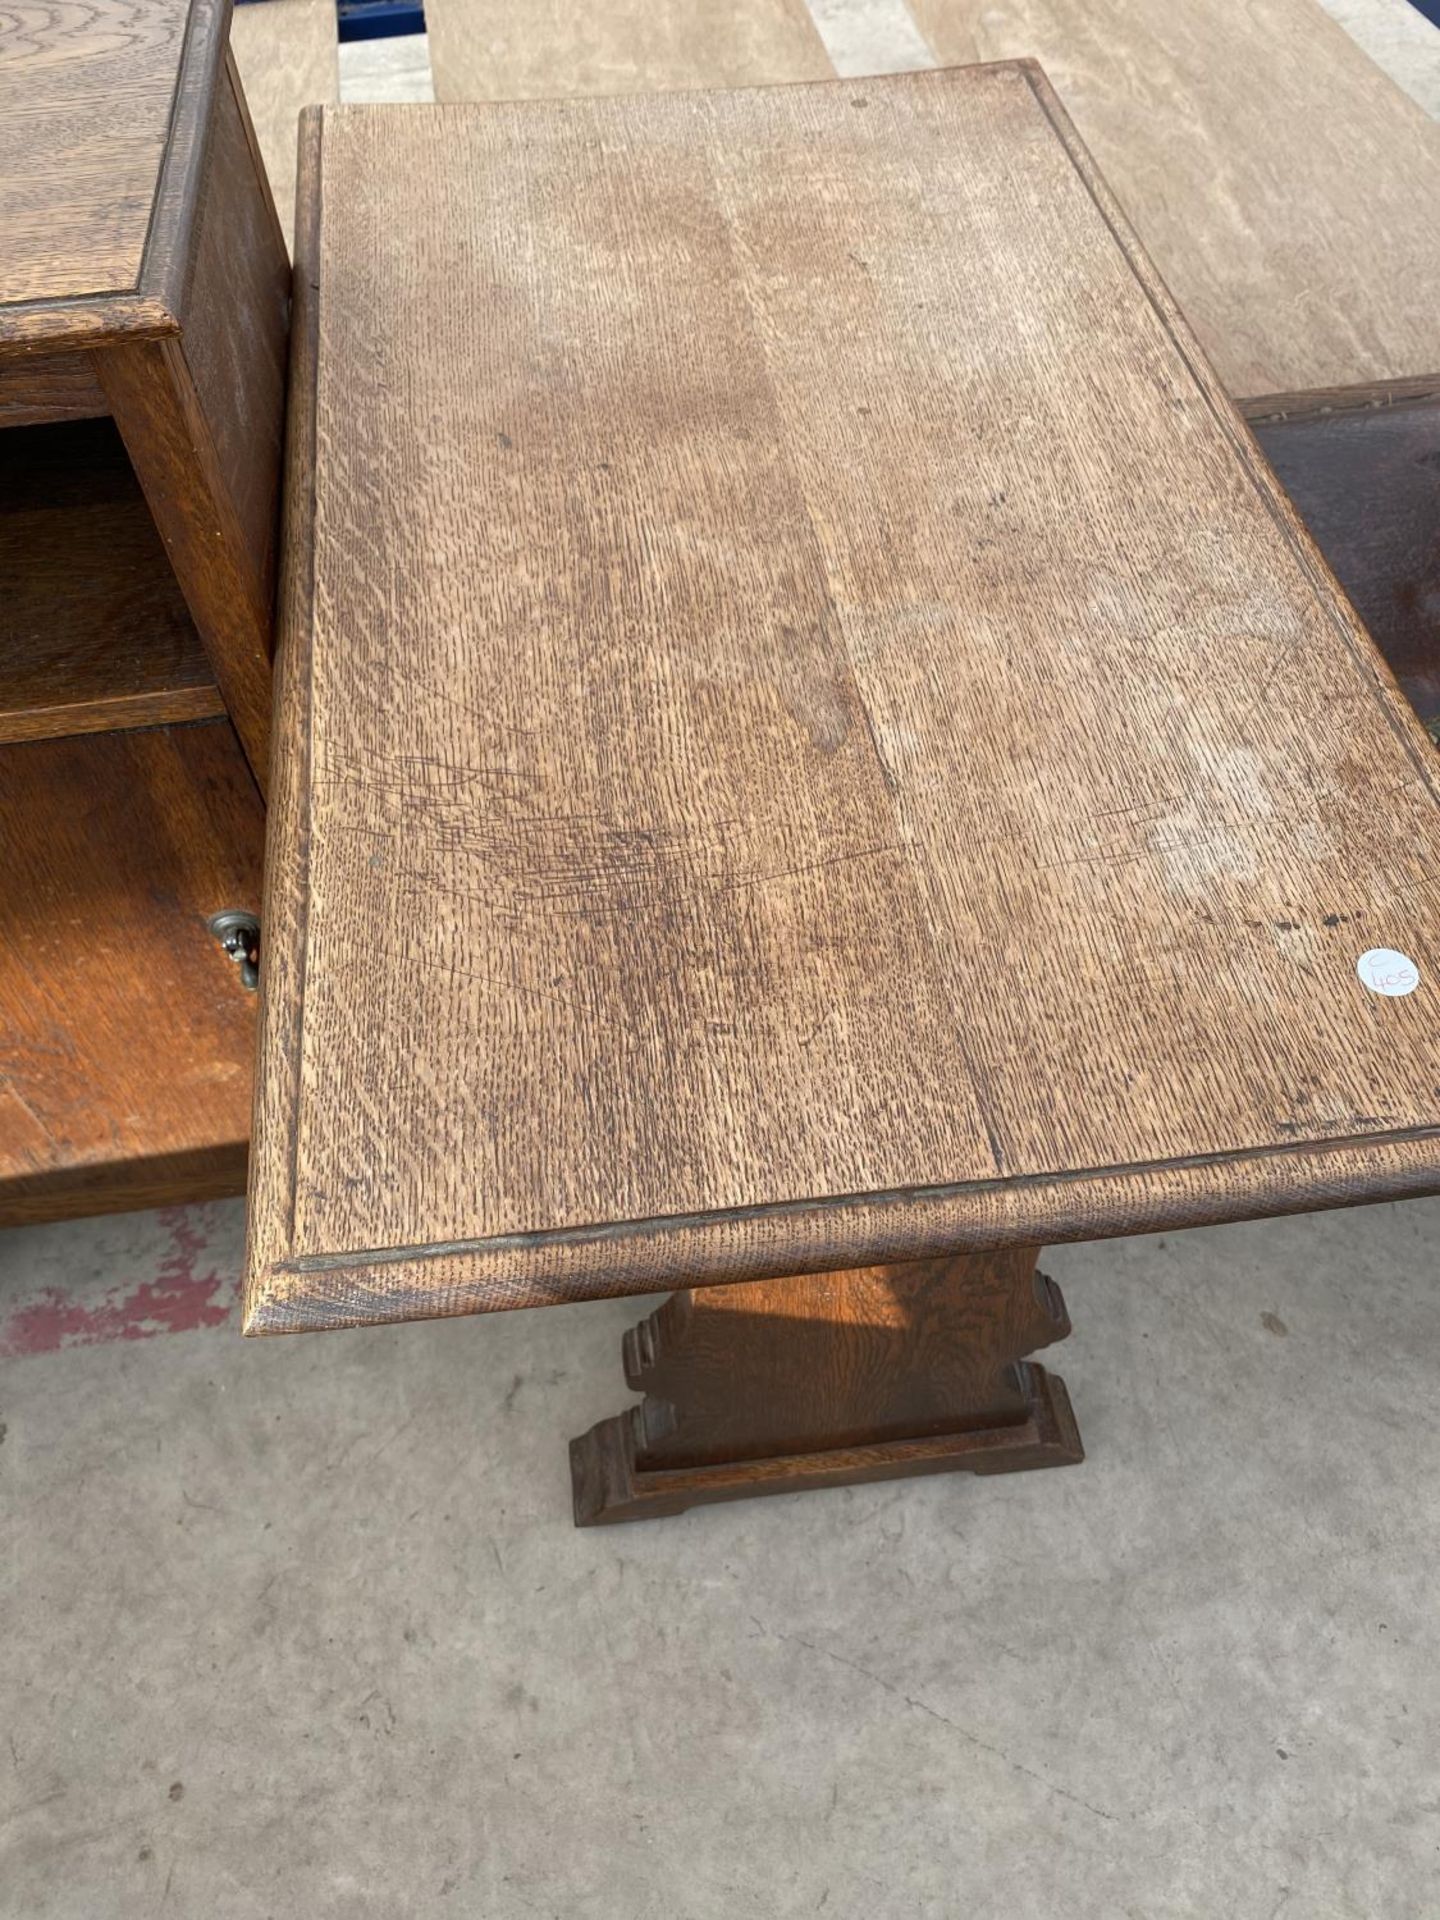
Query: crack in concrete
[(922, 1706)]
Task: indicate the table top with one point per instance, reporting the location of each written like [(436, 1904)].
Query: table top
[(809, 733), (1282, 183), (103, 110)]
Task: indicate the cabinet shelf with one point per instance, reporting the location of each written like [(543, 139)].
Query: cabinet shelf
[(126, 1034), (94, 631)]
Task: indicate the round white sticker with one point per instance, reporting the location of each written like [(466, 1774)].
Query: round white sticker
[(1383, 970)]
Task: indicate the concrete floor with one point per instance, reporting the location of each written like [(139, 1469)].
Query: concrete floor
[(301, 1628)]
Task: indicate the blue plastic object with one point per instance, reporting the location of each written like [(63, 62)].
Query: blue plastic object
[(379, 19), (371, 19)]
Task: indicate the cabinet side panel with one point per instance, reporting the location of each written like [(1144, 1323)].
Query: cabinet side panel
[(234, 325)]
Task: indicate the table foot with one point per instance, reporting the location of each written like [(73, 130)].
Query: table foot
[(827, 1380)]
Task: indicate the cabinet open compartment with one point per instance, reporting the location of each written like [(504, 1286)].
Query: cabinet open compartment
[(96, 631)]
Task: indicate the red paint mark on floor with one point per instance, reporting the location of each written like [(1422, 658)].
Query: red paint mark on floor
[(178, 1300)]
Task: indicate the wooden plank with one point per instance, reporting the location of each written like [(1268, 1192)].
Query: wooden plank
[(172, 448), (202, 419), (537, 49), (75, 283), (1366, 481), (85, 100), (287, 52), (125, 1034), (94, 632), (49, 386), (1402, 40), (1285, 188), (287, 850), (236, 320), (831, 745)]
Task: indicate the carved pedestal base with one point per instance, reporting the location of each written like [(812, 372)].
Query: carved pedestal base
[(824, 1380)]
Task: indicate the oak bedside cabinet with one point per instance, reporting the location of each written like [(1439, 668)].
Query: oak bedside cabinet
[(144, 314)]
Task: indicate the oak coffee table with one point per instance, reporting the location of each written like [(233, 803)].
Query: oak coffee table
[(812, 751)]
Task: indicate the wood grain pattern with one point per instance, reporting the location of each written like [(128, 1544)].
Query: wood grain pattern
[(94, 632), (287, 848), (1261, 408), (1285, 188), (86, 90), (845, 753), (794, 1384), (171, 445), (1366, 481), (538, 49), (202, 414), (287, 52), (235, 332), (125, 1035), (134, 221), (37, 387), (69, 68)]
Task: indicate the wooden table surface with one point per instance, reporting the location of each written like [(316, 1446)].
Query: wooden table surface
[(287, 52), (1283, 185), (540, 49), (809, 734)]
